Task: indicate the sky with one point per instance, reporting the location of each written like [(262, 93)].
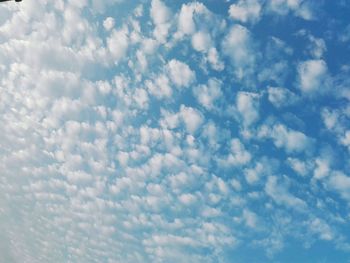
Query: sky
[(175, 131)]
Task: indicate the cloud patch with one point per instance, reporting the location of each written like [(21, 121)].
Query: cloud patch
[(313, 76)]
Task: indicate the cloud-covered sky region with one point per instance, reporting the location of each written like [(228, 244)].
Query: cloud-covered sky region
[(175, 131)]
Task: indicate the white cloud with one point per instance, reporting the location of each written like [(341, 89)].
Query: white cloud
[(322, 168), (201, 41), (96, 140), (340, 183), (180, 73), (238, 46), (277, 4), (275, 71), (182, 182), (192, 118), (279, 193), (109, 23), (248, 107), (160, 15), (199, 25), (298, 7), (330, 118), (281, 97), (317, 47), (141, 98), (283, 137), (186, 23), (214, 60), (207, 95), (250, 218), (237, 156), (213, 134), (188, 199), (321, 228), (245, 11), (236, 185), (300, 167), (253, 175), (335, 120), (169, 120), (159, 87), (292, 141), (345, 140), (149, 45), (118, 43), (312, 76)]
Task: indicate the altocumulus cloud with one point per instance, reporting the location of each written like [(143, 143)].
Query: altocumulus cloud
[(174, 131)]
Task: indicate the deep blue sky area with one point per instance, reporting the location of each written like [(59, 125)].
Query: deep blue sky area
[(175, 131)]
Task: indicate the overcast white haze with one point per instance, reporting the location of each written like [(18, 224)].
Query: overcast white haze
[(175, 131)]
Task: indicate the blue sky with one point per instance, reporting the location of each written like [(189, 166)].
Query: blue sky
[(175, 131)]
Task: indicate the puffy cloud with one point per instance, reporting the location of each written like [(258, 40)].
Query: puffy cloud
[(281, 97), (117, 132), (340, 183), (346, 140), (321, 228), (335, 120), (180, 73), (275, 71), (289, 139), (192, 118), (274, 68), (317, 47), (202, 27), (186, 24), (245, 11), (118, 43), (159, 12), (250, 218), (201, 41), (312, 76), (238, 46), (207, 95), (109, 23), (283, 137), (214, 60), (141, 98), (280, 194), (253, 175), (300, 167), (188, 199), (322, 168), (299, 7), (248, 107), (238, 155), (160, 87), (330, 119), (186, 21), (160, 15)]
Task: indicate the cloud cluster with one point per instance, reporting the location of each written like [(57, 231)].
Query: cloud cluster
[(135, 131)]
